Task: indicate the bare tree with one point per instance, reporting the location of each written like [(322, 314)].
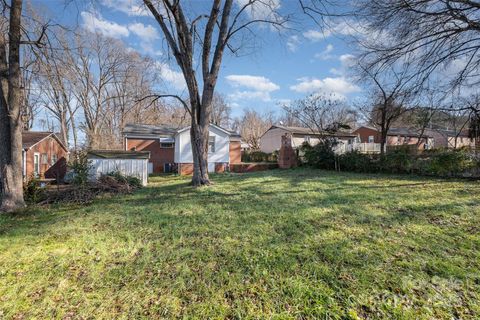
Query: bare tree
[(252, 125), (391, 96), (220, 111), (430, 35), (11, 125), (184, 35), (322, 113)]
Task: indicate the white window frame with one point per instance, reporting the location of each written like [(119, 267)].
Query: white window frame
[(306, 139), (371, 139), (52, 158), (36, 168), (211, 147)]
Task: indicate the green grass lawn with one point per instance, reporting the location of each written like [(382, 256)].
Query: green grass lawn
[(275, 244)]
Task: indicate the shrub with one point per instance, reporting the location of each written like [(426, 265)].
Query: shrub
[(320, 155), (449, 163), (259, 156), (397, 161), (32, 191), (356, 161), (80, 167)]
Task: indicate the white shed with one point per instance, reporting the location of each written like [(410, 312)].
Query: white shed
[(128, 163)]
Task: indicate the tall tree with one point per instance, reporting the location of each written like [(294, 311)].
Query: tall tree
[(184, 35), (252, 125), (429, 35), (220, 111), (390, 100), (11, 125), (322, 113)]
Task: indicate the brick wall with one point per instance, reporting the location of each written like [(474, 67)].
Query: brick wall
[(158, 156), (287, 157), (235, 152), (50, 146)]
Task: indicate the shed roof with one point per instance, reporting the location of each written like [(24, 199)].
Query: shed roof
[(118, 154)]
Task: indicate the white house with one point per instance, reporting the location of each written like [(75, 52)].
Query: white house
[(171, 147)]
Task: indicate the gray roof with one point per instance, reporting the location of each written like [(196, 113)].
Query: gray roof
[(406, 132), (147, 129), (302, 130)]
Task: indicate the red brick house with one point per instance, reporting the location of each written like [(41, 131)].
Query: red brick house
[(44, 155), (395, 137), (170, 147)]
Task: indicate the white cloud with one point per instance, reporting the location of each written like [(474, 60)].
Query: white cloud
[(259, 87), (325, 54), (339, 85), (292, 43), (252, 82), (171, 77), (94, 22), (264, 10), (130, 7), (346, 61), (145, 32), (342, 27), (314, 35)]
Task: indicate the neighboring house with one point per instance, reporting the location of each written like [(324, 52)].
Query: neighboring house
[(44, 155), (395, 137), (271, 140), (170, 148), (451, 138)]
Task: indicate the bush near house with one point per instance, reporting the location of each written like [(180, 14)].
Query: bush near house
[(436, 162), (259, 156)]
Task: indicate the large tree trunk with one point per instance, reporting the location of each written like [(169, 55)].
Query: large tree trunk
[(199, 138), (11, 166)]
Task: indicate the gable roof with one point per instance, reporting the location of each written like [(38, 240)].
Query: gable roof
[(307, 131), (31, 138)]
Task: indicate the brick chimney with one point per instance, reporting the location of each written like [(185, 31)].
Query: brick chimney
[(287, 158)]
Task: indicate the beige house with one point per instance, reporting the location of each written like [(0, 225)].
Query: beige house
[(271, 140), (451, 139)]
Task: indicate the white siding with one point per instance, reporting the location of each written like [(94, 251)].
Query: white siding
[(183, 147), (129, 167), (271, 140)]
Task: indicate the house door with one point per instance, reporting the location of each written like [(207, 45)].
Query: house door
[(211, 167), (36, 164)]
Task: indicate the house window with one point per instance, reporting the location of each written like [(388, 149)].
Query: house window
[(44, 158), (306, 139), (36, 164), (54, 159), (211, 144), (371, 139), (166, 145)]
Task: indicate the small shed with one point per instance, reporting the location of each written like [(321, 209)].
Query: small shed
[(129, 163)]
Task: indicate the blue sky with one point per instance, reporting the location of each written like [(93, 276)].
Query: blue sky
[(281, 67)]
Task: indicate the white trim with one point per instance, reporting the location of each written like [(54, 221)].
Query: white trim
[(37, 173), (210, 125), (54, 136), (24, 160)]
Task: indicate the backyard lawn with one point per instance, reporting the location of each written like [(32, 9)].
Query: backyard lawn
[(275, 244)]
